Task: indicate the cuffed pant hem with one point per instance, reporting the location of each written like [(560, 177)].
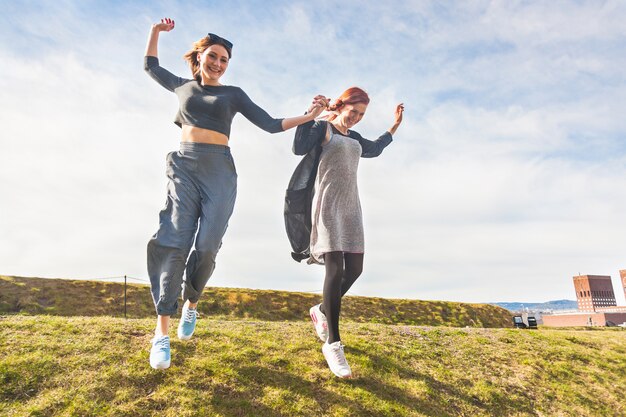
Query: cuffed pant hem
[(165, 312)]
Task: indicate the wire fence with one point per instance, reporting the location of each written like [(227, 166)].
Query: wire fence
[(127, 278), (119, 278)]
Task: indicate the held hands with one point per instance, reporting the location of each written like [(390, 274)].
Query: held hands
[(319, 104), (166, 25)]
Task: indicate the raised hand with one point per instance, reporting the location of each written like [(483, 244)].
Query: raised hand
[(397, 118), (166, 25), (398, 114)]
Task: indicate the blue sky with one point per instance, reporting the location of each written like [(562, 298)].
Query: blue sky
[(505, 180)]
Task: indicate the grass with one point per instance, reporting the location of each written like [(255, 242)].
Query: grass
[(66, 351), (98, 366), (94, 298)]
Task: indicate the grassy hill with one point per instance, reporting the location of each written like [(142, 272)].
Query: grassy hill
[(98, 366), (95, 298), (65, 351)]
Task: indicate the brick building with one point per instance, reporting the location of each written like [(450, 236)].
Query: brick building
[(580, 319), (594, 291), (596, 303)]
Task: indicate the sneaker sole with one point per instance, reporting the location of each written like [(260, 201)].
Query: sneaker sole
[(181, 337), (341, 376), (162, 365)]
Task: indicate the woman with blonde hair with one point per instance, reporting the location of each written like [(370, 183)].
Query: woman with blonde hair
[(323, 211), (202, 178)]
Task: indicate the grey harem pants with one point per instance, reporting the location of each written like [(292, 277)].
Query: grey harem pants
[(201, 194)]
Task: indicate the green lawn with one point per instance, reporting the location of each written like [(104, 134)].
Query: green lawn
[(83, 366)]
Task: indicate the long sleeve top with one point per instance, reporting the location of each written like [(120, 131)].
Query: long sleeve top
[(209, 106), (310, 134)]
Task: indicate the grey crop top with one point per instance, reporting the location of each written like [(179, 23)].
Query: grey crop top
[(207, 106)]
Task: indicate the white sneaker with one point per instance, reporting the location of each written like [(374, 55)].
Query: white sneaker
[(336, 359), (160, 352), (320, 322)]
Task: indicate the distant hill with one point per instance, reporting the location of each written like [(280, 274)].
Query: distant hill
[(60, 297), (549, 305)]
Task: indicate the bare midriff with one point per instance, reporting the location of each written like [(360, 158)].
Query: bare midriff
[(200, 135)]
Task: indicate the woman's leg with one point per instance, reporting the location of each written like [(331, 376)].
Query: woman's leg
[(217, 181), (169, 247), (353, 270), (168, 250), (163, 323), (353, 267), (333, 262), (333, 348)]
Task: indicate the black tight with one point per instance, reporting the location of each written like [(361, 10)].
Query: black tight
[(342, 270)]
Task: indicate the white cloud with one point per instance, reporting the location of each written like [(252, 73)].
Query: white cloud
[(503, 182)]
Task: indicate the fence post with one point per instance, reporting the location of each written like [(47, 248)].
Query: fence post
[(124, 296)]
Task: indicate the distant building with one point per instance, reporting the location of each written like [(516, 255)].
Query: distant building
[(596, 304), (594, 291), (580, 319)]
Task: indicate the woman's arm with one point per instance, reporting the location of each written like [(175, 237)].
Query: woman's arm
[(263, 120), (398, 118), (318, 105), (371, 149), (312, 132), (166, 25), (308, 135), (291, 122), (151, 60)]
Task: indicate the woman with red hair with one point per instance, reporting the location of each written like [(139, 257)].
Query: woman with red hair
[(323, 211)]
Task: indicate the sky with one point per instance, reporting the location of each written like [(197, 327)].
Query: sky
[(506, 178)]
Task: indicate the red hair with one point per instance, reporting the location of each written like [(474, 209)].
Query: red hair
[(352, 95)]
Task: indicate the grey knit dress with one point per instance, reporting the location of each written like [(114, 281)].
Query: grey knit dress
[(337, 221)]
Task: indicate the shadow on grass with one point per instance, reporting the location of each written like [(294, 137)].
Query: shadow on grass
[(440, 392), (255, 379), (28, 382), (244, 391), (251, 382)]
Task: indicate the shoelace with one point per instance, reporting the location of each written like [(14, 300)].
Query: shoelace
[(339, 357), (162, 343), (189, 315)]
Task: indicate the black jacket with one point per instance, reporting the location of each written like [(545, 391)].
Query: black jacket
[(299, 195)]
